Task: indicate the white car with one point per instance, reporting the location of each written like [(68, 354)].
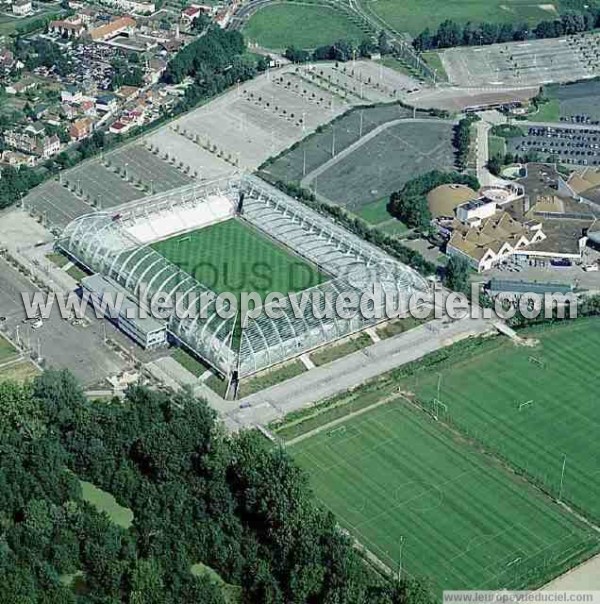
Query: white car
[(37, 324)]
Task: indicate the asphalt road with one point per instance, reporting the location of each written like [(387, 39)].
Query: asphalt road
[(62, 345), (345, 373)]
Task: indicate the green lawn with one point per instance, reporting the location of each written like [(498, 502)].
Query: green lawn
[(278, 26), (496, 146), (105, 502), (374, 212), (328, 354), (414, 16), (435, 62), (547, 112), (232, 256), (186, 360), (398, 480), (483, 394), (7, 350), (271, 377), (232, 594), (19, 372)]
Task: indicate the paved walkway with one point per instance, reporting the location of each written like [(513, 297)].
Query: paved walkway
[(586, 576)]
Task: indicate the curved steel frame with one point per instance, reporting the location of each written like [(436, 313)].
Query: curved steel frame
[(102, 242)]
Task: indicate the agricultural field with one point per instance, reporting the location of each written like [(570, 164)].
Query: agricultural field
[(575, 103), (535, 407), (449, 512), (413, 16), (232, 256), (396, 154), (278, 26)]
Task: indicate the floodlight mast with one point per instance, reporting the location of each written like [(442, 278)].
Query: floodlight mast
[(562, 477)]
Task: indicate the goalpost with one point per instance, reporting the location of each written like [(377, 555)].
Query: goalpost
[(525, 405), (537, 362)]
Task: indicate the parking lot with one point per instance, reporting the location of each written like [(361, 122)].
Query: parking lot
[(60, 344), (142, 165), (570, 145), (100, 186), (55, 205), (525, 63)]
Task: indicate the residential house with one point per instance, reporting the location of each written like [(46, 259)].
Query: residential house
[(21, 86), (81, 129), (22, 7), (17, 159), (71, 94), (68, 28), (106, 103)]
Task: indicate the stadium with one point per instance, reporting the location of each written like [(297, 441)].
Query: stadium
[(165, 242)]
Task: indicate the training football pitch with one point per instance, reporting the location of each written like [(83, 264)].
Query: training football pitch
[(232, 256), (424, 492), (414, 16), (533, 406), (279, 26)]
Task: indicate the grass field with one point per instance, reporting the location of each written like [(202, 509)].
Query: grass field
[(231, 256), (414, 16), (278, 26), (496, 145), (567, 101), (483, 394), (19, 372), (393, 476), (105, 502), (272, 377)]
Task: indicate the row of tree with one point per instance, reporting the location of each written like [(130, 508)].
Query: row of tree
[(462, 139), (409, 204), (341, 50), (197, 495), (450, 33)]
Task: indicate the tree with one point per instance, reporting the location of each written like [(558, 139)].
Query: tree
[(456, 275)]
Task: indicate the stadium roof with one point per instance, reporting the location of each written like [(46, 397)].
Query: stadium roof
[(103, 242)]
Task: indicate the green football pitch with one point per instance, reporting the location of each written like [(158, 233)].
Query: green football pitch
[(415, 494), (414, 16), (304, 26), (539, 408), (233, 257)]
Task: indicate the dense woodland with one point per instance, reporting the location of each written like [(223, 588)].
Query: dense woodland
[(197, 495), (450, 33)]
